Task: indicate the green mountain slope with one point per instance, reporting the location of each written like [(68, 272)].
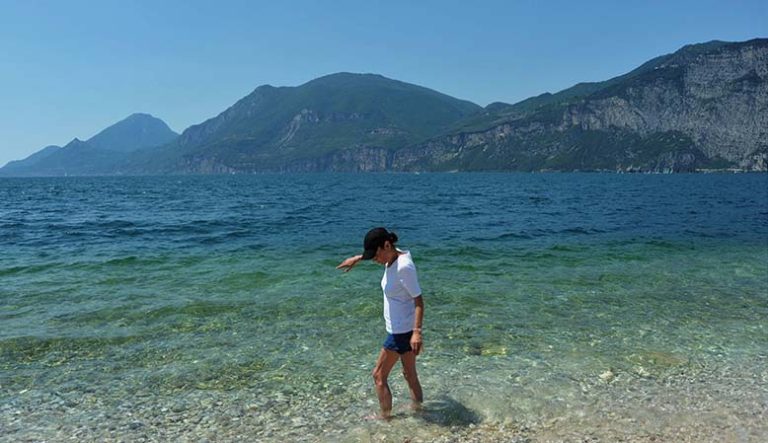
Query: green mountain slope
[(272, 128)]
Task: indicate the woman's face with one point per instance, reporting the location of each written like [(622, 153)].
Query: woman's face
[(384, 254)]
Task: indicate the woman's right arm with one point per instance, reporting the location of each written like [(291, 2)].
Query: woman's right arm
[(349, 263)]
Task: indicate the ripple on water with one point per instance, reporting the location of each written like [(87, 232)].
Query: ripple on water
[(206, 319)]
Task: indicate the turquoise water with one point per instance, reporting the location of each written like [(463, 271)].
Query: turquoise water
[(558, 306)]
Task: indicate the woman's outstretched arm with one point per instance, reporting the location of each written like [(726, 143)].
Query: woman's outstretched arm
[(349, 263)]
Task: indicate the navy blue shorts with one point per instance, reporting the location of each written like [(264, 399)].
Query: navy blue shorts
[(400, 343)]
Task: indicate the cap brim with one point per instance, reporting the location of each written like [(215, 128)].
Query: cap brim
[(369, 254)]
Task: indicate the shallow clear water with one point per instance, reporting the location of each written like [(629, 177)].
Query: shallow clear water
[(612, 306)]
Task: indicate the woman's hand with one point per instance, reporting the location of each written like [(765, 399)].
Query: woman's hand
[(349, 263), (416, 343)]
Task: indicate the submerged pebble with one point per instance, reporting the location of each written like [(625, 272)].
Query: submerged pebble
[(607, 376)]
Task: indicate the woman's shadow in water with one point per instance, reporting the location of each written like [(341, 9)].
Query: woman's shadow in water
[(447, 411)]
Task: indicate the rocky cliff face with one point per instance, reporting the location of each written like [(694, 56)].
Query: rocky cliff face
[(719, 99), (360, 159), (705, 106)]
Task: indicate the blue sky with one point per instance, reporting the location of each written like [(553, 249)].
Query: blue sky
[(71, 68)]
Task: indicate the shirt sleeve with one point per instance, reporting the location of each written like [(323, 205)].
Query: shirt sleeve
[(410, 281)]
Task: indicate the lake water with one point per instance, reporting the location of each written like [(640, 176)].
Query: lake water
[(559, 307)]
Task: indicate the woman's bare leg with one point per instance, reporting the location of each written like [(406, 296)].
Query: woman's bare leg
[(384, 364), (409, 372)]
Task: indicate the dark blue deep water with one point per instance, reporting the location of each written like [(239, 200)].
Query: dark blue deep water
[(167, 308)]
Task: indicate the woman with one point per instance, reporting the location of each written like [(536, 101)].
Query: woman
[(403, 314)]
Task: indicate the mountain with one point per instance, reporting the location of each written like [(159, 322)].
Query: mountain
[(19, 166), (702, 107), (75, 158), (342, 115), (138, 131), (104, 153)]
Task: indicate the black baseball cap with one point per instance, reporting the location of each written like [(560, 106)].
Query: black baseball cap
[(374, 239)]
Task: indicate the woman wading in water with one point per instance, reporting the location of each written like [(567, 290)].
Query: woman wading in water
[(403, 314)]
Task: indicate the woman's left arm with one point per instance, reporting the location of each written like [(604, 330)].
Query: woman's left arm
[(416, 341)]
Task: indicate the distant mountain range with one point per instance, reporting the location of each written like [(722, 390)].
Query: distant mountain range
[(702, 107), (104, 153)]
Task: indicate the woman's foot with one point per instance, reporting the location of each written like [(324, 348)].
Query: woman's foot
[(380, 416)]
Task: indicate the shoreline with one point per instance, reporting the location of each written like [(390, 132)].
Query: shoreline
[(726, 171), (722, 403)]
